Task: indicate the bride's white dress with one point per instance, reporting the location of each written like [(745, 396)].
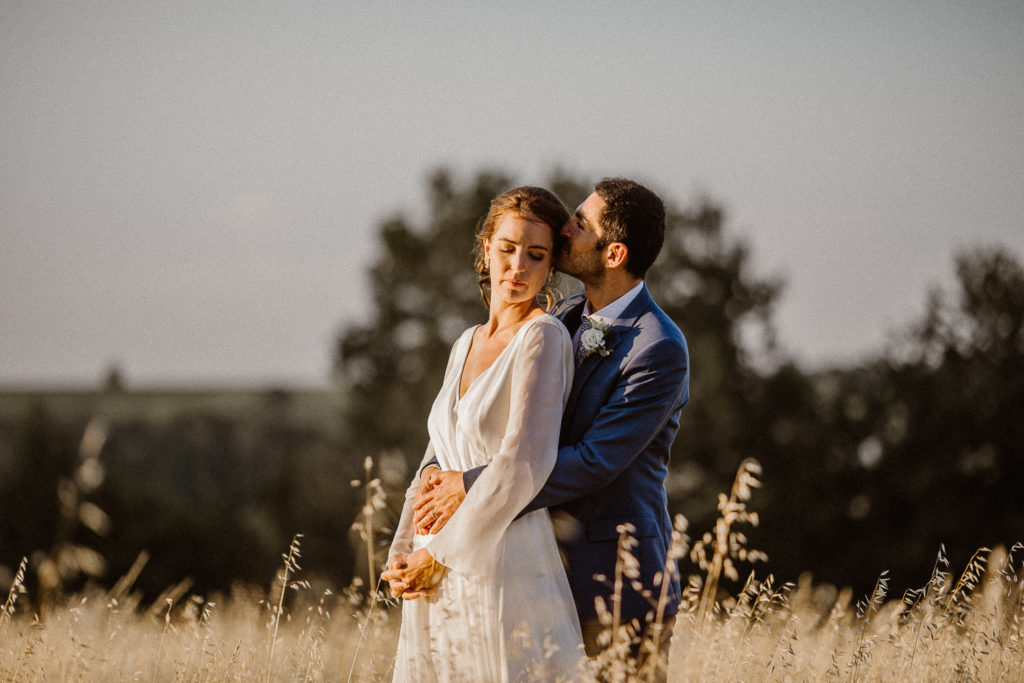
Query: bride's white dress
[(503, 611)]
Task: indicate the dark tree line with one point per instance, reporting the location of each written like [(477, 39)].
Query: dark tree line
[(212, 496), (867, 467)]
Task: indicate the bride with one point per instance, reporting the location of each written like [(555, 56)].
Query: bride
[(501, 609)]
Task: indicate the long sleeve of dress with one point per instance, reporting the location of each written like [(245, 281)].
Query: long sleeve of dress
[(540, 381), (402, 543), (648, 393)]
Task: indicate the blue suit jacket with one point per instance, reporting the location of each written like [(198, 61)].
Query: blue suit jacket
[(617, 431)]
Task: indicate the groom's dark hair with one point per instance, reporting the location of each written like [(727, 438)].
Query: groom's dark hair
[(634, 216)]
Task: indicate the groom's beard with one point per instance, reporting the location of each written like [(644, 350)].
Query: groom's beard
[(585, 267)]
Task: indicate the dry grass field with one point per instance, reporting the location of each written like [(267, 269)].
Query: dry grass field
[(963, 625)]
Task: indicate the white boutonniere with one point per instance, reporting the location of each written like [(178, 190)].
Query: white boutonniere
[(594, 339)]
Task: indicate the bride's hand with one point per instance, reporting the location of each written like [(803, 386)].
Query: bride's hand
[(421, 574), (393, 575), (435, 506)]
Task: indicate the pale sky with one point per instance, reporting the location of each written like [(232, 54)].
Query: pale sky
[(191, 189)]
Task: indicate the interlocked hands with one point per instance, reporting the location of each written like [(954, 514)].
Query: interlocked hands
[(437, 498)]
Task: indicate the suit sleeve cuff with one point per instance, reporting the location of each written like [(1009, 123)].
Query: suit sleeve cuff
[(469, 477), (433, 463)]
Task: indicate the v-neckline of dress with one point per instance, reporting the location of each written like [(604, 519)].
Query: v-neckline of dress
[(465, 358)]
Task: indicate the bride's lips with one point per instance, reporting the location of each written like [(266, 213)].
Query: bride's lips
[(515, 283)]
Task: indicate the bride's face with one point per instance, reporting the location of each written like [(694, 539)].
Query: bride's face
[(520, 254)]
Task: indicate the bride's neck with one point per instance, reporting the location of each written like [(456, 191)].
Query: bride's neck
[(505, 316)]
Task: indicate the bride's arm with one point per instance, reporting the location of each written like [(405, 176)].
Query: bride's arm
[(401, 545), (402, 542), (541, 376)]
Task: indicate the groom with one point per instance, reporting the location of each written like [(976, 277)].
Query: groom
[(631, 382)]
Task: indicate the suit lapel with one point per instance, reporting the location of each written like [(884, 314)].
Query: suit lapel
[(589, 364), (616, 331), (573, 316)]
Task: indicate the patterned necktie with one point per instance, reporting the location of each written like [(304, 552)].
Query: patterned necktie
[(580, 353)]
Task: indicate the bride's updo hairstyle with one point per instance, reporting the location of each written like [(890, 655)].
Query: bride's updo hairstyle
[(534, 204)]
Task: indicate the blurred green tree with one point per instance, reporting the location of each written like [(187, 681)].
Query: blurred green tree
[(704, 280), (915, 448), (946, 420)]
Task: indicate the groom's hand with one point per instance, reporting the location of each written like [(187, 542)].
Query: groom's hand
[(443, 495), (426, 483)]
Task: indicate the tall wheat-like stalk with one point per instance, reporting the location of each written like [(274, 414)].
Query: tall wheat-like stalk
[(316, 633), (725, 544), (967, 582), (363, 629), (17, 587), (966, 628), (649, 648), (865, 612), (626, 567), (368, 520), (291, 564), (916, 600), (163, 635), (1014, 580), (66, 559), (374, 501), (615, 637)]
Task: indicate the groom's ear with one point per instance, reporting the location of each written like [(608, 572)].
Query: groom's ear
[(616, 255)]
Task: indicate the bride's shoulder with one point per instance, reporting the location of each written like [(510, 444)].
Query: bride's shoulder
[(463, 340), (469, 331), (546, 328)]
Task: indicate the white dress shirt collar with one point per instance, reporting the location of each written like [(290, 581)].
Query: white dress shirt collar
[(615, 309)]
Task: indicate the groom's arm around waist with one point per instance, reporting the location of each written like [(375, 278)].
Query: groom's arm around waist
[(651, 390)]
